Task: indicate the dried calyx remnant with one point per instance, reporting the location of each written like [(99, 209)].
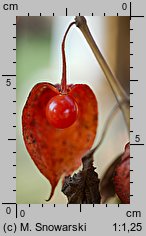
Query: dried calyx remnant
[(84, 186)]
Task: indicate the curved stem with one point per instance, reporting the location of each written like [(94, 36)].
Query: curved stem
[(63, 80), (117, 89), (107, 124), (109, 120)]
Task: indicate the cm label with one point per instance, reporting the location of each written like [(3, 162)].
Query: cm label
[(10, 7)]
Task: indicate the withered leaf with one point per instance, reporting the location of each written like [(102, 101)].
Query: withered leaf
[(83, 187)]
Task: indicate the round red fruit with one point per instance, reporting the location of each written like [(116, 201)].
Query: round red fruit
[(61, 111)]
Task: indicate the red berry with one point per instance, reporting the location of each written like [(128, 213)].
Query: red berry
[(122, 177), (61, 111)]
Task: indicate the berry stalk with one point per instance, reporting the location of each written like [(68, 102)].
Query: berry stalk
[(63, 80)]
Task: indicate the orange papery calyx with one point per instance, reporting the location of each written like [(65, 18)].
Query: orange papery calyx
[(59, 125)]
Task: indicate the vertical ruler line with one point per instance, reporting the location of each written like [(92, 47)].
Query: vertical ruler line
[(16, 211), (130, 10), (80, 207)]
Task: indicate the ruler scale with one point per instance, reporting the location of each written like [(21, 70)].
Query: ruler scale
[(30, 219)]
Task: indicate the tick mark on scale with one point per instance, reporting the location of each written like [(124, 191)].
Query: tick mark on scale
[(136, 144), (9, 75)]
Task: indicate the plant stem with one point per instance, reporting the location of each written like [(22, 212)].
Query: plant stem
[(118, 91)]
